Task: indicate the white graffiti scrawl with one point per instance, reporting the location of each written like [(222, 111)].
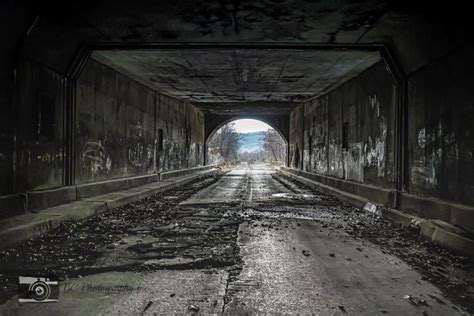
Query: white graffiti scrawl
[(95, 157), (374, 149), (140, 154)]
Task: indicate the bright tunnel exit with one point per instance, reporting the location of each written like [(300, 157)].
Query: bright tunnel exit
[(248, 140)]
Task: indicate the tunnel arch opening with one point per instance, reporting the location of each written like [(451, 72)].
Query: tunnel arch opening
[(238, 118), (246, 139)]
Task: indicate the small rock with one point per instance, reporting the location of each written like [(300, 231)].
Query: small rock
[(332, 255), (306, 253), (172, 295), (411, 299), (193, 308)]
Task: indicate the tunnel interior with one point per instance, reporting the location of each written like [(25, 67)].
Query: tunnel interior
[(173, 92), (109, 109)]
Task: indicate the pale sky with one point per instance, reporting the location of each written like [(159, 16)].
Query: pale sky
[(249, 126)]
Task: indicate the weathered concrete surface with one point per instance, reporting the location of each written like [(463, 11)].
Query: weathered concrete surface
[(125, 129), (231, 188), (16, 229), (39, 157), (440, 132), (296, 266), (456, 237), (281, 248), (288, 265), (417, 38), (239, 76), (349, 133)]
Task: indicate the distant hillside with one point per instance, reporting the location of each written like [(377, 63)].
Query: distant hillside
[(251, 141)]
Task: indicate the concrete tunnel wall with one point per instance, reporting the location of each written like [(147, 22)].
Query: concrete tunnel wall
[(121, 123), (439, 142), (363, 110), (39, 156), (122, 129)]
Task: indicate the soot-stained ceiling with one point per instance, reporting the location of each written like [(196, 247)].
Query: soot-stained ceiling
[(239, 80)]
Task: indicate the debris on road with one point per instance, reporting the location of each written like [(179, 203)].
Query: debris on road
[(148, 306), (411, 299), (194, 308), (159, 233)]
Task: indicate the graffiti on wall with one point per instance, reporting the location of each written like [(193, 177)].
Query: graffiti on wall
[(374, 148), (335, 158), (320, 156), (428, 155), (140, 154), (351, 163), (173, 156), (95, 157), (354, 162)]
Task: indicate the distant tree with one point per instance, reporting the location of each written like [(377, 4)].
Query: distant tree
[(227, 142), (257, 155), (274, 145)]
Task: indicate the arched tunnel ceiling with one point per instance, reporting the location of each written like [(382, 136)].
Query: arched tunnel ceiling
[(226, 81)]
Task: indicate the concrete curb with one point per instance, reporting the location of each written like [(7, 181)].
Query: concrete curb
[(436, 231), (15, 230)]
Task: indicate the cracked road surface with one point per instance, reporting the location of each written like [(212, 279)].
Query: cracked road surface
[(247, 241)]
